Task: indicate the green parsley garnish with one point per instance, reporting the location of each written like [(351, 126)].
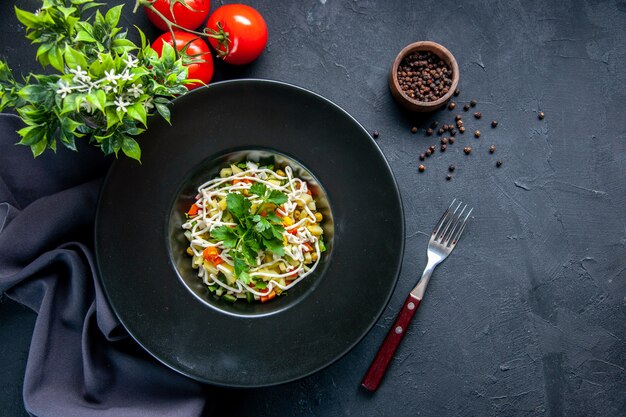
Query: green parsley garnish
[(253, 232)]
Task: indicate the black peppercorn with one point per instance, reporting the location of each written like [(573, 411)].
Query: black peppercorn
[(451, 168), (477, 133), (451, 141), (444, 141), (413, 129), (467, 150), (428, 153), (452, 105), (429, 132), (462, 129), (478, 115), (498, 163), (466, 107), (421, 168), (440, 131), (444, 147), (473, 103), (457, 92), (494, 123), (375, 134), (448, 177), (422, 156), (492, 148), (434, 124), (541, 115), (457, 117)]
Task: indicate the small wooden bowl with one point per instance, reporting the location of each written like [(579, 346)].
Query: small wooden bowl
[(410, 103)]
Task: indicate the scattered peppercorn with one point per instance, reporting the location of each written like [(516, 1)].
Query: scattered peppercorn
[(434, 124), (440, 131), (421, 168), (444, 141), (494, 123), (462, 129), (451, 168), (413, 129), (429, 132), (492, 148), (428, 152), (375, 134), (541, 115), (452, 132), (457, 117), (452, 105), (498, 163), (448, 177), (466, 107), (477, 133), (478, 115), (446, 127), (451, 141), (473, 103), (423, 76), (467, 150), (444, 147), (457, 92), (432, 148), (422, 156)]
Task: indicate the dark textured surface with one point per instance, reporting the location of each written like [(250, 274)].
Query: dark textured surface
[(528, 317)]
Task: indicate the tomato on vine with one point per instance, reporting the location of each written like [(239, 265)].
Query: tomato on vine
[(238, 33), (195, 53), (190, 14)]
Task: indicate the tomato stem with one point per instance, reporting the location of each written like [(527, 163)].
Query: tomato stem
[(220, 35)]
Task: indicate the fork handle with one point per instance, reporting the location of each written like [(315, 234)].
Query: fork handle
[(377, 369)]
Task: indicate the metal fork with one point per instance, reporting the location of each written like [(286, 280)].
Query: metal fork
[(442, 241)]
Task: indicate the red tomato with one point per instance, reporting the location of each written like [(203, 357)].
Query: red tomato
[(243, 32), (197, 59), (183, 16)]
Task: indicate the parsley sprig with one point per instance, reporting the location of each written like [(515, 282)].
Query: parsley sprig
[(254, 232)]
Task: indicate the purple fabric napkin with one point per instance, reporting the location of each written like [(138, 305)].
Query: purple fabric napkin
[(81, 360)]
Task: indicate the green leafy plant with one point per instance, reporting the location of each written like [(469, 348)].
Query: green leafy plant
[(106, 86), (254, 232)]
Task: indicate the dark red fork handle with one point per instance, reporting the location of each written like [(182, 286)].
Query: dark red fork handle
[(377, 369)]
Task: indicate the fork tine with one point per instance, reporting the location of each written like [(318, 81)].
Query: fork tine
[(443, 217), (445, 239), (449, 221), (457, 235)]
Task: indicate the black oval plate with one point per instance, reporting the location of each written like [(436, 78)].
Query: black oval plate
[(163, 316)]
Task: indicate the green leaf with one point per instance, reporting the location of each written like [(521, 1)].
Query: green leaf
[(277, 197), (226, 235), (75, 59), (272, 217), (261, 224), (164, 111), (84, 36), (260, 284), (168, 55), (112, 117), (112, 17), (238, 205), (275, 246), (38, 148), (30, 20), (97, 99), (32, 135), (34, 93), (258, 189), (241, 270), (56, 58), (142, 36), (138, 112), (130, 147)]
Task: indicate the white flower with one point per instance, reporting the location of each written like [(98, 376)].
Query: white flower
[(135, 90), (131, 62), (148, 104), (126, 76), (79, 74), (85, 105), (64, 89), (121, 104), (110, 76), (107, 88)]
